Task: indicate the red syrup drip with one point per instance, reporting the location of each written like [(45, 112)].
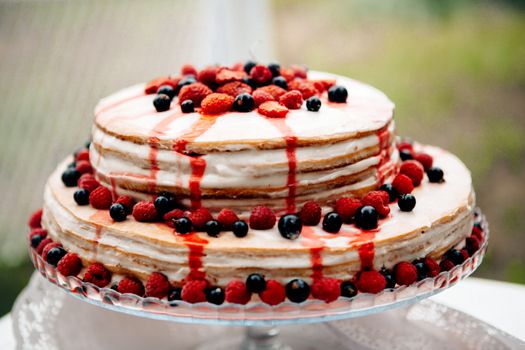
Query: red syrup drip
[(316, 245), (196, 247), (100, 218), (114, 193), (384, 168)]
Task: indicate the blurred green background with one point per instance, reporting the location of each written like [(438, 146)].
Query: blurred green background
[(456, 70)]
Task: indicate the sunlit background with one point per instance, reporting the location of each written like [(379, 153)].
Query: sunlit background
[(456, 70)]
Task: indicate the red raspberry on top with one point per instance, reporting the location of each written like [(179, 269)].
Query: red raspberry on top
[(346, 207), (216, 103), (188, 69), (425, 159), (82, 155), (199, 218), (237, 293), (288, 74), (88, 182), (274, 90), (273, 294), (262, 218), (153, 85), (310, 213), (98, 275), (406, 273), (405, 146), (261, 74), (323, 84), (195, 92), (227, 218), (145, 212), (306, 88), (207, 75), (377, 200), (48, 247), (38, 231), (326, 289), (175, 214), (35, 219), (69, 265), (42, 245), (131, 285), (292, 99), (84, 167), (403, 184), (235, 88), (432, 267), (127, 201), (261, 96), (100, 198), (193, 291), (371, 282), (157, 285), (414, 170), (225, 75), (272, 109)]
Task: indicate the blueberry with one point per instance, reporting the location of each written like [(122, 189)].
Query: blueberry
[(392, 193), (243, 102), (166, 90), (455, 256), (332, 222), (297, 290), (337, 93), (54, 255), (213, 228), (70, 177), (348, 289), (313, 104), (81, 196), (118, 212), (162, 204), (366, 217), (421, 270), (389, 278), (406, 202), (405, 155), (275, 68), (215, 295), (162, 103), (255, 283), (248, 66), (175, 294), (187, 80), (290, 226), (435, 174), (240, 229), (183, 226), (280, 82), (249, 81), (35, 240), (187, 106)]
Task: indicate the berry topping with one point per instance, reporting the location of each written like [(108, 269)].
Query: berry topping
[(389, 278), (183, 82), (175, 294), (195, 92), (240, 229), (421, 269), (465, 254), (88, 182), (216, 103), (273, 294), (199, 218), (379, 200), (392, 193), (118, 212), (54, 255), (43, 243), (162, 102), (313, 104), (235, 88), (332, 222), (405, 273), (262, 218), (310, 213), (435, 175), (37, 236), (431, 267), (81, 196), (84, 167), (166, 90), (127, 201), (82, 155), (290, 226), (69, 265), (371, 282), (403, 184), (297, 290), (255, 283), (183, 226), (406, 202), (275, 68), (154, 84), (100, 198), (50, 246), (326, 289), (243, 103), (272, 109), (323, 84), (237, 293), (473, 244), (188, 69), (173, 215), (347, 207), (366, 217), (405, 155), (225, 75), (194, 291), (426, 160), (70, 177), (348, 289), (261, 74), (215, 295), (280, 82), (207, 75), (98, 275), (227, 218), (261, 96), (405, 146), (446, 265), (477, 232), (248, 66), (35, 219), (213, 228), (414, 170), (162, 205), (187, 106), (455, 256), (338, 94), (306, 88), (273, 90), (292, 99), (157, 285), (131, 285), (299, 71), (145, 212)]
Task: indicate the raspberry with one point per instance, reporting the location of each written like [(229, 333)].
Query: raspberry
[(35, 219), (98, 275), (377, 200), (235, 88), (432, 267), (292, 99), (226, 218), (476, 232), (88, 182), (84, 167), (42, 245), (288, 74), (131, 285), (154, 84), (414, 170), (195, 92), (173, 215), (473, 244), (299, 71), (82, 155), (346, 207), (38, 231), (188, 69), (69, 265), (465, 254), (306, 88), (100, 198), (272, 109), (157, 285), (406, 273), (127, 201), (323, 84), (48, 247), (261, 96), (193, 291), (199, 218), (216, 103), (310, 213), (446, 265), (326, 289), (403, 184), (237, 293), (405, 146), (144, 212), (273, 294), (207, 75), (225, 75), (262, 218), (261, 74), (273, 90), (371, 282), (425, 159)]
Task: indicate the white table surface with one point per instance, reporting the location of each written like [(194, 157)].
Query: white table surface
[(500, 304)]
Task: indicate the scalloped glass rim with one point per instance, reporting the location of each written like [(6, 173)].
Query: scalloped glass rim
[(258, 313)]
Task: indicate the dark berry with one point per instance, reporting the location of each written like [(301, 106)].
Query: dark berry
[(348, 289), (166, 90), (421, 270), (187, 106), (118, 212), (455, 256), (313, 104), (35, 240), (54, 255), (174, 294), (389, 278), (337, 93), (215, 295), (240, 229), (162, 103), (332, 222), (162, 205), (275, 68), (290, 226), (70, 177), (243, 103), (280, 82), (87, 144), (405, 155), (297, 290), (72, 165), (81, 196), (114, 287), (248, 66), (406, 202), (255, 283), (171, 198), (366, 217), (250, 81), (189, 79), (435, 174), (213, 228), (392, 193), (183, 226)]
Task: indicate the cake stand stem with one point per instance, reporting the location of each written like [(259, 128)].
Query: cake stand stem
[(262, 338)]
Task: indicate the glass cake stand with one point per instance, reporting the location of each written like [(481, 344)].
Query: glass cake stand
[(260, 320)]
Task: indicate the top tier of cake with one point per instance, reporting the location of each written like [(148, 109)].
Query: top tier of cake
[(215, 160)]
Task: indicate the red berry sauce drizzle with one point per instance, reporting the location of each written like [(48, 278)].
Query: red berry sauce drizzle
[(316, 245), (385, 168), (101, 218)]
